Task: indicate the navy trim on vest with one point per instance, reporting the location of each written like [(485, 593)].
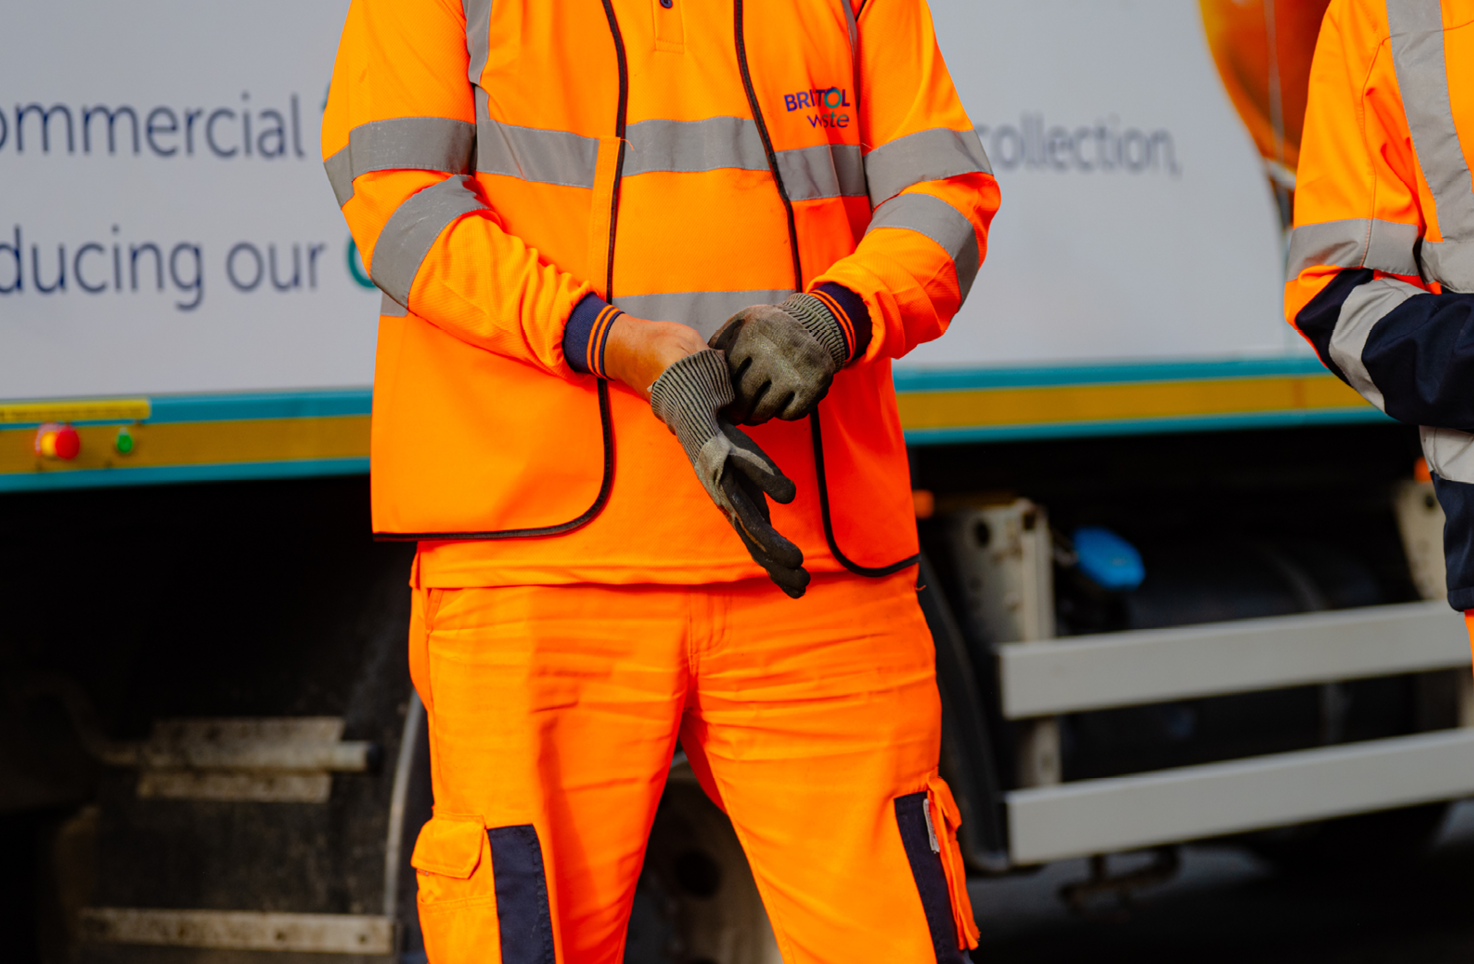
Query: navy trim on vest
[(521, 895)]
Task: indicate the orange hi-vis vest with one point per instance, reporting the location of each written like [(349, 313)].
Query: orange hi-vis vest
[(1381, 261), (506, 164)]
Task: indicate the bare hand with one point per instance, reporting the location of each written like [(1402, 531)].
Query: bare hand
[(637, 351)]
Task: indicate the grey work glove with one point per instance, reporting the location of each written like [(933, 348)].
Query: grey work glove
[(732, 469), (781, 358)]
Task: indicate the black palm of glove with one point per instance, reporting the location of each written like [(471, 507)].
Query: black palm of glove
[(733, 470), (781, 358)]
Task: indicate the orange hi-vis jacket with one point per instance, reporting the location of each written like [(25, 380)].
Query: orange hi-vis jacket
[(1382, 255), (510, 169)]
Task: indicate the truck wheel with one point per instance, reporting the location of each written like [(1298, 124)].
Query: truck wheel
[(697, 902)]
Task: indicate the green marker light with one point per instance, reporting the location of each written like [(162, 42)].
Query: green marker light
[(124, 442)]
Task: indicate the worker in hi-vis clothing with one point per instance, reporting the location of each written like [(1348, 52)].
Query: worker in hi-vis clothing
[(608, 233), (1382, 254)]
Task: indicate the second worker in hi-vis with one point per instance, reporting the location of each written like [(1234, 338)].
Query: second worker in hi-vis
[(1382, 254)]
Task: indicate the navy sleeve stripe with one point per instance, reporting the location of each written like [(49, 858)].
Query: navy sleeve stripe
[(1317, 320), (1421, 355), (1457, 500)]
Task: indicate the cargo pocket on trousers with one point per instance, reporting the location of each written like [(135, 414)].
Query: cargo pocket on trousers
[(928, 824), (457, 898), (468, 904)]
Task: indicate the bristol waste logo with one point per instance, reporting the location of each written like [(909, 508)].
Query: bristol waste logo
[(826, 107)]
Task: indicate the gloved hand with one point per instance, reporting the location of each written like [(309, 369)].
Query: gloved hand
[(733, 470), (781, 358)]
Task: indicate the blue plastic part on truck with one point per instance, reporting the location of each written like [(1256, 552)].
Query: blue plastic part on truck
[(1108, 560)]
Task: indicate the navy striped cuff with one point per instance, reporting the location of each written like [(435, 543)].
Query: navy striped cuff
[(850, 312), (586, 334)]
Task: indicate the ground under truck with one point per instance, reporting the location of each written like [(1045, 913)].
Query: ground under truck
[(1183, 583)]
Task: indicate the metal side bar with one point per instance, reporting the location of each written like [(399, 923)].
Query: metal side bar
[(1049, 677), (355, 934), (1168, 806)]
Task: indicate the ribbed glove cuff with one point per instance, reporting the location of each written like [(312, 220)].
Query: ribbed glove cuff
[(815, 317), (687, 395)]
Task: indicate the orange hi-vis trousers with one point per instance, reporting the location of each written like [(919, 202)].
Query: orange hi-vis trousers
[(815, 723)]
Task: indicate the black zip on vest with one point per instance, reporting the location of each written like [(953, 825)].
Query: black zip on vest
[(873, 572)]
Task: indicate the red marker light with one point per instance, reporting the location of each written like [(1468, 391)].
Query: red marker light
[(55, 441)]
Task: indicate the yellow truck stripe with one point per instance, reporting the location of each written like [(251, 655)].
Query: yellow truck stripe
[(197, 443), (1055, 404)]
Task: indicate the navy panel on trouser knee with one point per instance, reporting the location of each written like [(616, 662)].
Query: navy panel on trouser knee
[(931, 881), (521, 895)]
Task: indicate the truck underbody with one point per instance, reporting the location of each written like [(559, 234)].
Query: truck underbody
[(217, 745)]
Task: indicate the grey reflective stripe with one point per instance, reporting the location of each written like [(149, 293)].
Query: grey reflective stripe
[(811, 173), (1450, 453), (390, 308), (340, 173), (849, 19), (535, 154), (939, 221), (411, 231), (703, 310), (478, 37), (1364, 307), (1451, 263), (689, 146), (924, 156), (1422, 76), (558, 157), (1355, 243), (402, 143)]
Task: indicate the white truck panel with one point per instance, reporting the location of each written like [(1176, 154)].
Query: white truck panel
[(1179, 259), (224, 336)]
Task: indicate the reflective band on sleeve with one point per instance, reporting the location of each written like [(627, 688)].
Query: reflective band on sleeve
[(826, 171), (1355, 243), (389, 308), (924, 156), (849, 19), (1450, 453), (1365, 306), (402, 143), (534, 154), (690, 146), (703, 310), (939, 221), (1422, 76), (412, 229), (1451, 263), (478, 37)]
